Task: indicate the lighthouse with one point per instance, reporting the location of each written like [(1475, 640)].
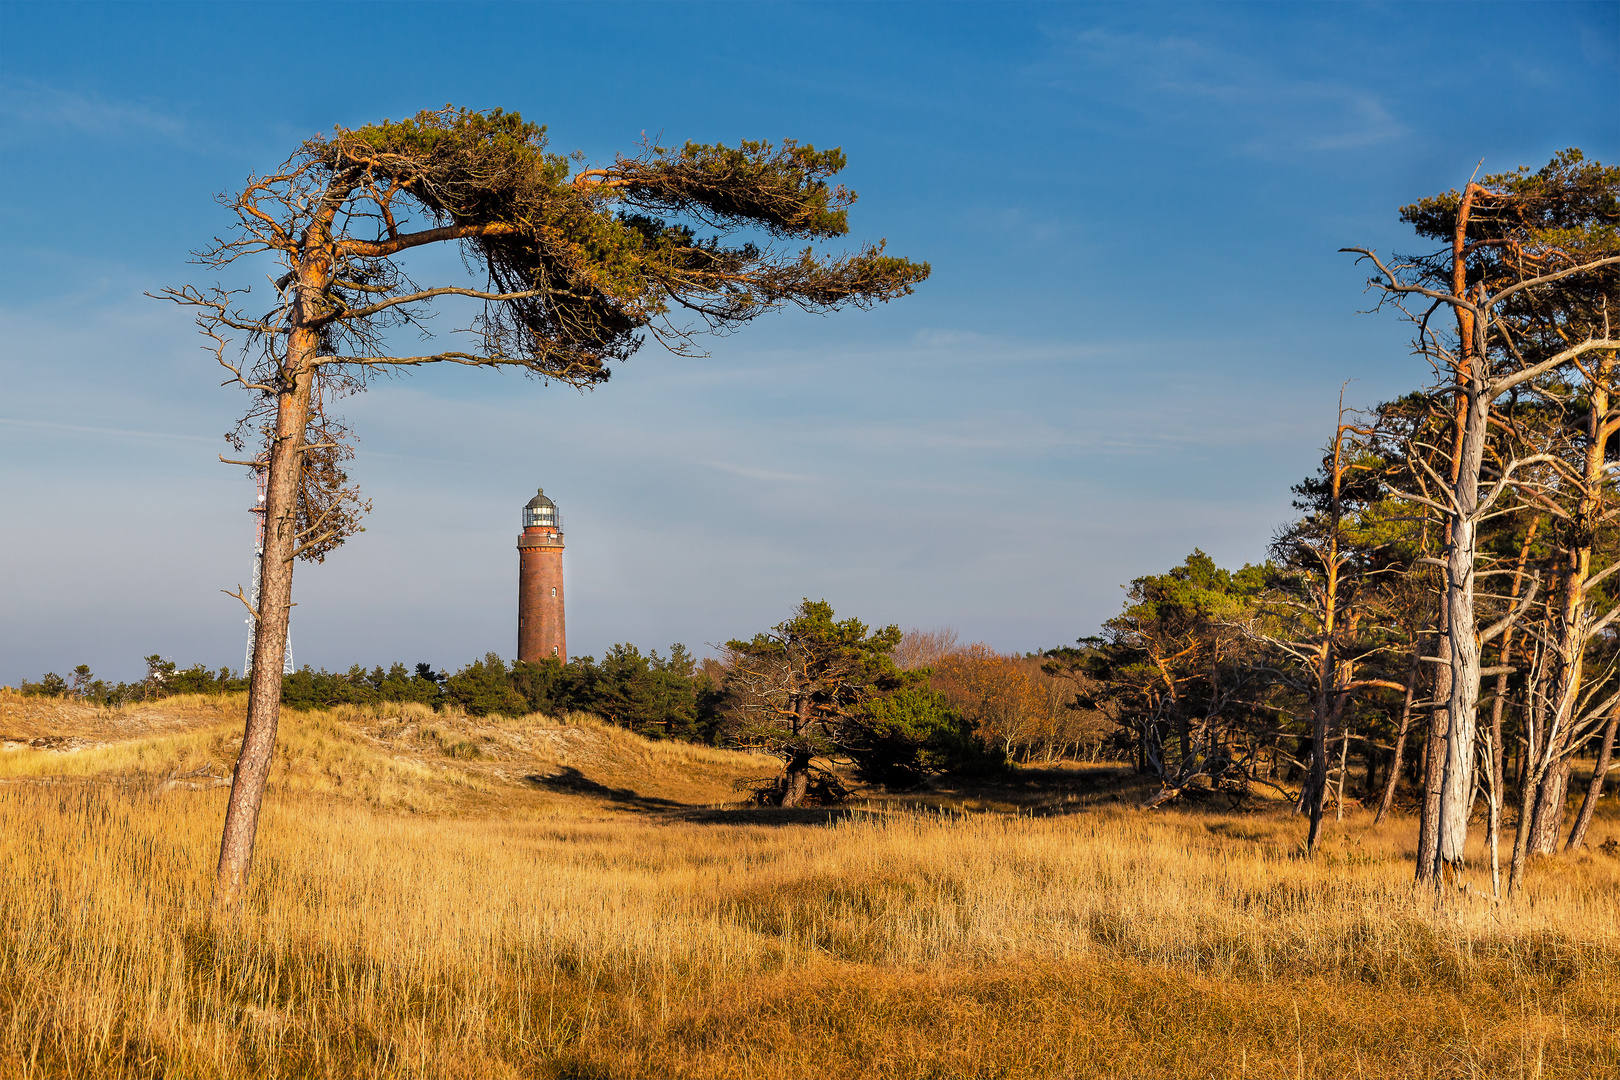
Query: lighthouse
[(541, 630)]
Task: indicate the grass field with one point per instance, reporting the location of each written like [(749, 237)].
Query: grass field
[(435, 896)]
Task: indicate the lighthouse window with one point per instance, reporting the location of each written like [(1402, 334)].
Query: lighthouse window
[(554, 590)]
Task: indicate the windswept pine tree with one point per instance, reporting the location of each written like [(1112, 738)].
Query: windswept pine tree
[(580, 265)]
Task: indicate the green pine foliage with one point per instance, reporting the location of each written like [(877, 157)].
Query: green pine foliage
[(900, 739), (308, 688), (163, 679), (661, 697), (816, 686)]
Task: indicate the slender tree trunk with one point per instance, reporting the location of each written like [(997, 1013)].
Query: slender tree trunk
[(1434, 757), (1552, 784), (1594, 789), (1344, 767), (1399, 753), (1521, 842), (296, 380), (269, 643), (1462, 640), (1493, 830), (1434, 746), (1314, 792), (1532, 764), (1504, 656), (1330, 718)]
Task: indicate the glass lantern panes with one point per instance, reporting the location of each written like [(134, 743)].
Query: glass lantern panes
[(541, 512)]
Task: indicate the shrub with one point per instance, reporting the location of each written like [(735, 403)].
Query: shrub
[(902, 738)]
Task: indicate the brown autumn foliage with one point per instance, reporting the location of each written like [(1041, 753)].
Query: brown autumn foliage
[(1021, 707)]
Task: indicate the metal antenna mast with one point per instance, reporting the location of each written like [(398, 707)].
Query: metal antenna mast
[(258, 565)]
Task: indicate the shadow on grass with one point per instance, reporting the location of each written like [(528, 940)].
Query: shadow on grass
[(1038, 791), (570, 781), (1028, 791)]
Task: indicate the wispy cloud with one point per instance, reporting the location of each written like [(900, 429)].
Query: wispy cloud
[(749, 472), (29, 104), (1273, 111)]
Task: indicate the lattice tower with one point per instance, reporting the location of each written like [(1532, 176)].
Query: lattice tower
[(258, 567)]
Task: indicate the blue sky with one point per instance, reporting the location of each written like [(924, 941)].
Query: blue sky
[(1132, 343)]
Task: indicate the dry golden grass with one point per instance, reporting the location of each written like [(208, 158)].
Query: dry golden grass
[(553, 930), (397, 756)]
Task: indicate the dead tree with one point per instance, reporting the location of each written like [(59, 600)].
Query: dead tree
[(1328, 603), (1573, 492), (579, 264), (1594, 787), (1560, 716), (1530, 282)]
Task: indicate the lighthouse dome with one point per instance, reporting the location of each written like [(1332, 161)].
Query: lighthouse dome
[(542, 512)]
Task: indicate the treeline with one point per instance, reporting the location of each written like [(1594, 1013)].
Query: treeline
[(163, 679), (657, 696), (666, 697), (814, 691), (1442, 615)]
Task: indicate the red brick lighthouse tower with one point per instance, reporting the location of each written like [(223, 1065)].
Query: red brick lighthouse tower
[(541, 631)]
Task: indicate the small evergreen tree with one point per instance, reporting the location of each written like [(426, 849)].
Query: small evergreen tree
[(900, 739)]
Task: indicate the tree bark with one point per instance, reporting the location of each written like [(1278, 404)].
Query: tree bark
[(1457, 783), (1594, 790), (1434, 755), (1547, 815), (1329, 718), (1504, 655), (269, 643), (797, 780), (1533, 762), (1448, 821), (1344, 768), (296, 380)]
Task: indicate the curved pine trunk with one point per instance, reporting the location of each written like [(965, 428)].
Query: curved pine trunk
[(269, 644), (1594, 789), (297, 379)]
